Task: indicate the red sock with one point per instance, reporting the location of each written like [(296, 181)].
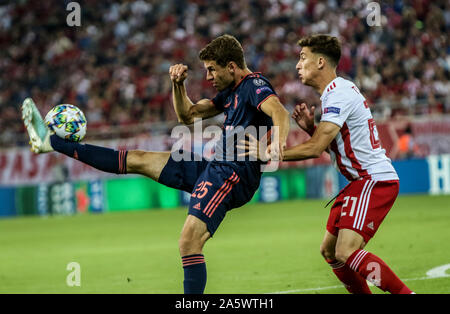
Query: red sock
[(377, 272), (352, 281)]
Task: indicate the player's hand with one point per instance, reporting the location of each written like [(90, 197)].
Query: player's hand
[(254, 148), (178, 73), (304, 117)]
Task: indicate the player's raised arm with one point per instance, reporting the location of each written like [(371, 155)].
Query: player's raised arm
[(185, 109)]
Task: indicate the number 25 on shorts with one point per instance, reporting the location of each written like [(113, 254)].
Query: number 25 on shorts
[(201, 190)]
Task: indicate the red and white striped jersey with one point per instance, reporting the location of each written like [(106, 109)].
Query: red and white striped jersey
[(356, 150)]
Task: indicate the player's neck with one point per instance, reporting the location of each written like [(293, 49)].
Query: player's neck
[(325, 79), (240, 74)]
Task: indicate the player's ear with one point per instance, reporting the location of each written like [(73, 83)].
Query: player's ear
[(321, 62), (231, 67)]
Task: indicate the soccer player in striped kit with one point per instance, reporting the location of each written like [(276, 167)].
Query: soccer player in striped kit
[(348, 132)]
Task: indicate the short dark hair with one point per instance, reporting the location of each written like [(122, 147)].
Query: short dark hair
[(222, 50), (327, 45)]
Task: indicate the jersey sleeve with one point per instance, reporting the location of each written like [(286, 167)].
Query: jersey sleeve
[(336, 108), (258, 91)]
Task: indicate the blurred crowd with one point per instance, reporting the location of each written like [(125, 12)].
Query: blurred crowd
[(115, 65)]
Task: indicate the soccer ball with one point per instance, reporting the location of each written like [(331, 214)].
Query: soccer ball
[(67, 121)]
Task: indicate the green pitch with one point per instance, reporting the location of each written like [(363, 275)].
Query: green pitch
[(262, 248)]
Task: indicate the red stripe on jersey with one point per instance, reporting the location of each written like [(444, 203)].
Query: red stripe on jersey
[(342, 168), (331, 87), (345, 133)]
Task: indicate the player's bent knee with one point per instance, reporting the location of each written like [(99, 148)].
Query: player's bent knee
[(342, 254), (326, 252), (193, 236), (184, 245), (190, 245)]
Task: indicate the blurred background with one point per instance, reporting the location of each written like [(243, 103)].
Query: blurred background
[(115, 68)]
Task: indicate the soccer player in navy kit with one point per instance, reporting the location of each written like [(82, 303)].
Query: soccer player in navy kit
[(248, 101)]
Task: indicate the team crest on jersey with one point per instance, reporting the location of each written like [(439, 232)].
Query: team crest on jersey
[(331, 110), (259, 82)]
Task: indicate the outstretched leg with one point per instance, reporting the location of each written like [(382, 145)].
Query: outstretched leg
[(149, 164)]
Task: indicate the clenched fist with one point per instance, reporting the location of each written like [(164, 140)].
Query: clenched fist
[(178, 73)]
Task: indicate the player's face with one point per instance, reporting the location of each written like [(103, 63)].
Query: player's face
[(220, 77), (307, 66)]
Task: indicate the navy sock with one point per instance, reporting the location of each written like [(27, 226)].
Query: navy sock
[(194, 273), (105, 159)]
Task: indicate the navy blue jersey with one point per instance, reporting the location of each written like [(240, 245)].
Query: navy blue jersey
[(242, 108), (228, 181)]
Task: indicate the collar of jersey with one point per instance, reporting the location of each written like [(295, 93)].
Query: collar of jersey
[(239, 83)]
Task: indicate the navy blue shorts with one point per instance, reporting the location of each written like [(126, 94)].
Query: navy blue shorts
[(215, 187)]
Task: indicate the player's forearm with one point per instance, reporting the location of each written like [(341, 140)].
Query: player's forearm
[(311, 130), (181, 103), (280, 119), (303, 151), (319, 142)]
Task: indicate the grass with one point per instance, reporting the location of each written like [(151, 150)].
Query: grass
[(261, 248)]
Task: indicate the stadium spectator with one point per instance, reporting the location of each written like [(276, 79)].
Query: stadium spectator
[(114, 65), (407, 148)]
